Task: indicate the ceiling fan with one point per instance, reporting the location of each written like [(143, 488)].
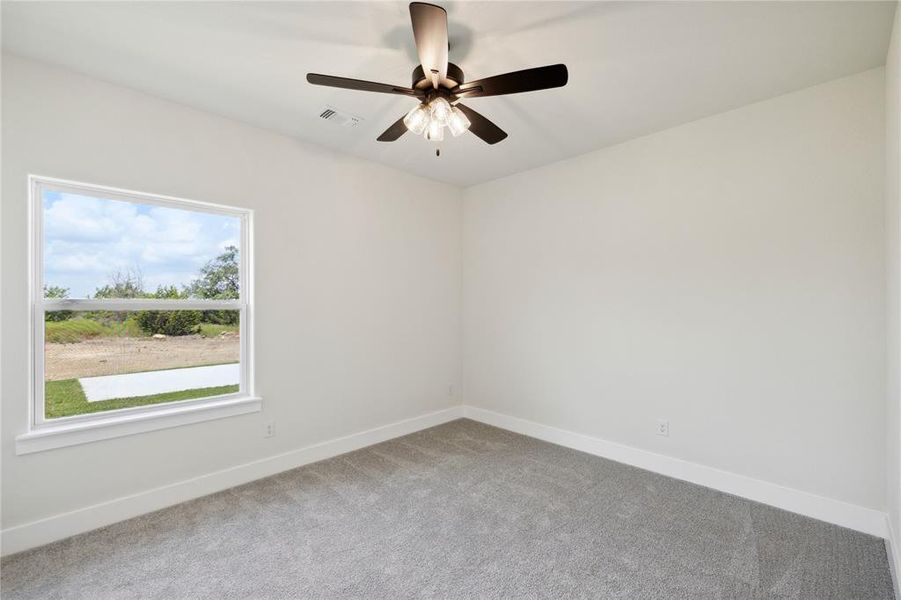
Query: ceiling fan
[(439, 85)]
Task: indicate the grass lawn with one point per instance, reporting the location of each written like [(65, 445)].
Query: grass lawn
[(65, 398), (80, 329), (77, 330), (208, 330)]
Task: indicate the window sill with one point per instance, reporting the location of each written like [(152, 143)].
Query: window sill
[(48, 437)]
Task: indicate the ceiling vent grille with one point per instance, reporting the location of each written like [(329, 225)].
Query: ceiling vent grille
[(338, 117)]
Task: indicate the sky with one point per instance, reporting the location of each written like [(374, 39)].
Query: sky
[(88, 239)]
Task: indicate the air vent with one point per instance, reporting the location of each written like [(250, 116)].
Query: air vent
[(339, 117)]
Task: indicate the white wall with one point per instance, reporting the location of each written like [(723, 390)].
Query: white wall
[(358, 281), (726, 275), (893, 277)]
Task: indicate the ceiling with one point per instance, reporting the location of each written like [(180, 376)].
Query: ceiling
[(635, 67)]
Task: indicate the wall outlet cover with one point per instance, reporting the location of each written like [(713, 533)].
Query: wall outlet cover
[(663, 427)]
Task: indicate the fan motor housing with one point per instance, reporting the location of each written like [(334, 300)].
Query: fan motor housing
[(421, 82)]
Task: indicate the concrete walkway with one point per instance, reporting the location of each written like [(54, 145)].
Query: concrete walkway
[(108, 387)]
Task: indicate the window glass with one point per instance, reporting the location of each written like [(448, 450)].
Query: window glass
[(137, 300), (96, 247), (106, 360)]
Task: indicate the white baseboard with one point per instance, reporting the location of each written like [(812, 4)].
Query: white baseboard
[(893, 551), (29, 535), (841, 513)]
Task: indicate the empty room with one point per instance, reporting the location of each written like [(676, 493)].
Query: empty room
[(470, 299)]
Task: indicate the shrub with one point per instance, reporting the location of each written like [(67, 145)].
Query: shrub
[(169, 322), (58, 315), (221, 317)]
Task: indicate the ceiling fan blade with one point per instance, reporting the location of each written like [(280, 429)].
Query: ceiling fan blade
[(430, 34), (528, 80), (358, 84), (482, 127), (393, 132)]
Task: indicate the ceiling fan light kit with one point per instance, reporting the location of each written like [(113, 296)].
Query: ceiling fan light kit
[(417, 120), (439, 111), (435, 131), (439, 85), (458, 123), (430, 119)]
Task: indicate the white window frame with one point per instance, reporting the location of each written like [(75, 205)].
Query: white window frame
[(45, 434)]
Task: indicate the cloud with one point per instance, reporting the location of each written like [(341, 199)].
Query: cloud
[(87, 239)]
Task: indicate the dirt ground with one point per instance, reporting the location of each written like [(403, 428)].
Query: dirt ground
[(113, 356)]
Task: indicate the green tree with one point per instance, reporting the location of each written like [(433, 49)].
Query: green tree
[(123, 284), (56, 292), (219, 280)]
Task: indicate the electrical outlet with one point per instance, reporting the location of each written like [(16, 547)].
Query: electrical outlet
[(663, 427), (268, 429), (450, 391)]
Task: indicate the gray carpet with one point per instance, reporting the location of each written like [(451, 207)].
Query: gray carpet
[(463, 510)]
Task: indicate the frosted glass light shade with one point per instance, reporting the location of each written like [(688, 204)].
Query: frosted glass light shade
[(417, 120), (435, 131), (458, 123), (441, 110)]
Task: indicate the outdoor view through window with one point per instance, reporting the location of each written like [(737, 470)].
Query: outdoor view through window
[(117, 261)]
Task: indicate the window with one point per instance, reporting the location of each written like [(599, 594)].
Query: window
[(141, 312)]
